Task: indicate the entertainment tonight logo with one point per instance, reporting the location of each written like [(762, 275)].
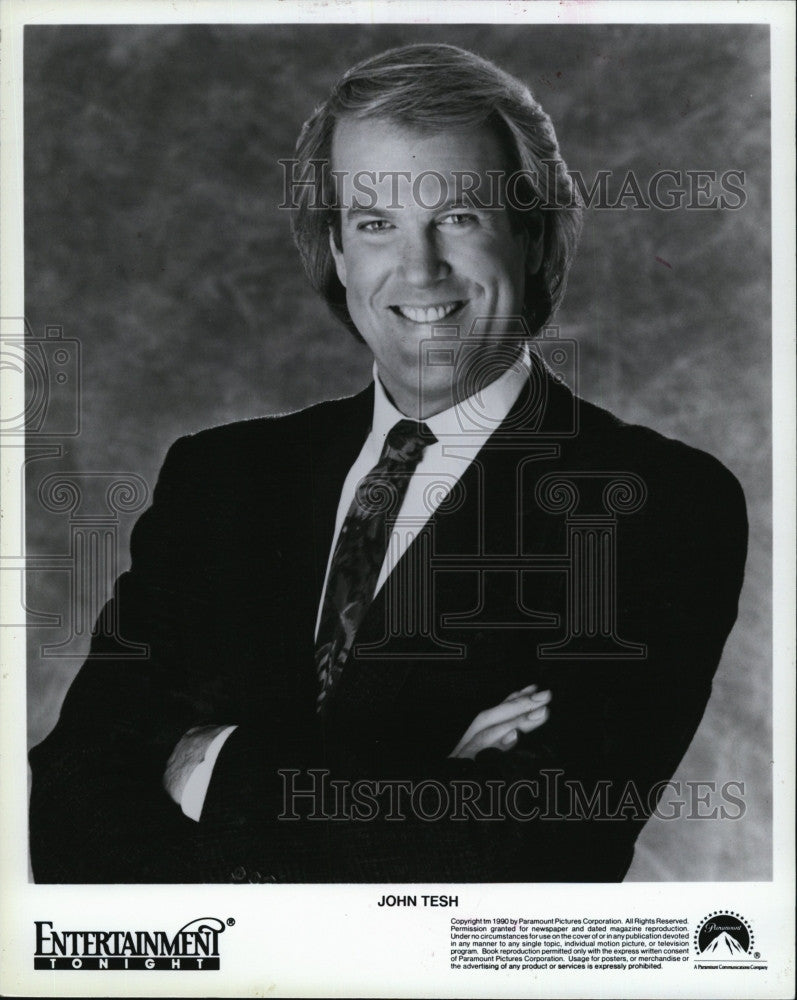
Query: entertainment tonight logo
[(194, 946)]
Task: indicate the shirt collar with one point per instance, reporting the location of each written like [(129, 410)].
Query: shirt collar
[(474, 418)]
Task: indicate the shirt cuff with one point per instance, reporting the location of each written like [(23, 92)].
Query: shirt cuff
[(196, 788)]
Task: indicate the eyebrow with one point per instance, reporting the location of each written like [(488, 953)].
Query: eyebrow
[(460, 203), (385, 213), (354, 210)]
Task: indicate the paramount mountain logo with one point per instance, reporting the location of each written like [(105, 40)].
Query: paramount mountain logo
[(194, 946), (725, 936), (724, 946)]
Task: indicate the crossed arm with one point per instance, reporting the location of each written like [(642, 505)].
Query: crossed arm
[(498, 727)]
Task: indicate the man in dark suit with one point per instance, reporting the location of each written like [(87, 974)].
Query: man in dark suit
[(459, 627)]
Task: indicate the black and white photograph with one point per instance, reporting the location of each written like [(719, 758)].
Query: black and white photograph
[(394, 455)]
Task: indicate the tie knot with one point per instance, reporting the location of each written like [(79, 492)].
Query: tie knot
[(406, 441)]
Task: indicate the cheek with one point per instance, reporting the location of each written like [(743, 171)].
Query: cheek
[(498, 269), (510, 268), (363, 274)]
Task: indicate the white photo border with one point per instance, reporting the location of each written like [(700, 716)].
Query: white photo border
[(290, 940)]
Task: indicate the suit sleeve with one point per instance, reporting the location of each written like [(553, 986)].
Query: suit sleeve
[(98, 811)]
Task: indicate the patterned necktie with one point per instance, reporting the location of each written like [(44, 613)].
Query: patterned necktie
[(361, 548)]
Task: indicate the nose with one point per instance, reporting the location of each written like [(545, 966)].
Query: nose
[(422, 261)]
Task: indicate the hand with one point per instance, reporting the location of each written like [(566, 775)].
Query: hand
[(521, 712), (186, 757)]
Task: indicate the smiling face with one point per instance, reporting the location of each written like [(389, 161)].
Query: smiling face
[(417, 251)]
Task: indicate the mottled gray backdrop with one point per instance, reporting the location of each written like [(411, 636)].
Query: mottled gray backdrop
[(153, 237)]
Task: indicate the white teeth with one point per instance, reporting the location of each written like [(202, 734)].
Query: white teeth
[(429, 314)]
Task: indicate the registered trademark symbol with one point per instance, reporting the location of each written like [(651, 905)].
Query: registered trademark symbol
[(231, 921), (756, 954)]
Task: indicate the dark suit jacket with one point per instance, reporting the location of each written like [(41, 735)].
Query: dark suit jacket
[(227, 569)]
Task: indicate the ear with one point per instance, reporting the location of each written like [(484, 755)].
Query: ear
[(534, 243), (337, 256)]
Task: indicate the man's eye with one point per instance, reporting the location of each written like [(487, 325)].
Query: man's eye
[(457, 219), (374, 226)]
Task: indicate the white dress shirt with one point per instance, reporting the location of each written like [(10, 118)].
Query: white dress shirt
[(461, 431)]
